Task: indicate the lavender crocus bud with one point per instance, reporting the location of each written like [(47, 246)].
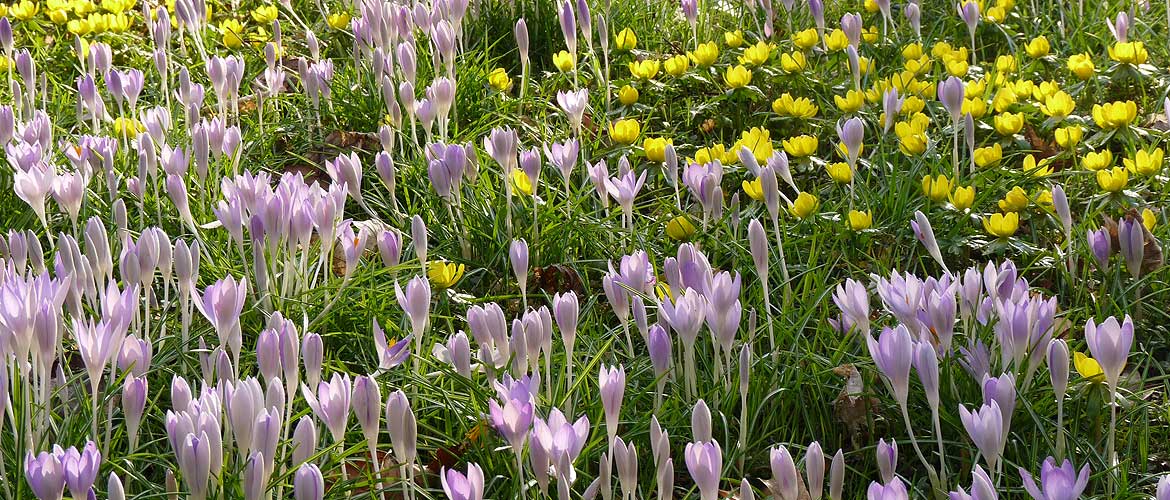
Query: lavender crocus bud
[(1058, 367), (304, 440), (180, 393), (705, 463), (521, 32), (887, 458), (1163, 492), (745, 490), (837, 476), (194, 458), (418, 236), (1102, 248), (134, 391), (785, 482), (926, 363), (568, 25), (851, 25), (659, 346), (1120, 27), (969, 13), (331, 403), (308, 484), (758, 242), (924, 232), (701, 421), (1110, 343), (814, 465), (892, 352), (951, 94), (367, 407), (612, 381), (81, 469), (914, 15), (255, 477), (518, 255), (626, 458), (1131, 241), (313, 355), (114, 489), (403, 427), (985, 427)]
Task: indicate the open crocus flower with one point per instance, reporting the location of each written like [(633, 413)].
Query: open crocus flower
[(1056, 483), (463, 487)]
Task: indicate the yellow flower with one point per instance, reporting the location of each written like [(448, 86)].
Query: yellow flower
[(733, 39), (1015, 200), (681, 229), (1044, 199), (521, 182), (338, 21), (758, 140), (655, 148), (663, 291), (1088, 368), (989, 156), (627, 95), (912, 51), (801, 145), (564, 61), (265, 14), (444, 274), (1009, 123), (996, 14), (911, 105), (1149, 219), (870, 34), (806, 39), (737, 76), (1112, 180), (1006, 64), (975, 88), (1045, 90), (757, 54), (1145, 162), (58, 16), (851, 102), (754, 189), (1094, 160), (24, 10), (803, 206), (499, 80), (977, 107), (232, 33), (1081, 65), (677, 65), (1004, 99), (912, 140), (626, 40), (128, 127), (957, 67), (794, 62), (645, 70), (860, 220), (1036, 169), (788, 106), (712, 153), (625, 131), (1058, 105), (1023, 88), (1069, 137), (870, 6), (705, 54), (1002, 225), (836, 40), (1038, 47), (1115, 114), (840, 172), (963, 197), (1129, 52), (936, 189)]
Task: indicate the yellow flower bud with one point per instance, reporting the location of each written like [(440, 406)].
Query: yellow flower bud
[(1002, 225)]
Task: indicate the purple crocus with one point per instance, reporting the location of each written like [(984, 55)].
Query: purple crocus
[(518, 256), (892, 352), (785, 482), (331, 403), (1056, 483), (512, 420), (1102, 247), (705, 463), (1131, 241), (561, 441), (568, 25), (853, 300), (887, 459), (624, 188), (563, 155), (462, 487), (612, 381), (45, 473), (891, 106), (982, 487), (308, 484), (951, 93), (852, 134), (221, 304), (1110, 342), (985, 427), (893, 490)]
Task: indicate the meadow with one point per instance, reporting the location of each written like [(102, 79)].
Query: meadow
[(473, 249)]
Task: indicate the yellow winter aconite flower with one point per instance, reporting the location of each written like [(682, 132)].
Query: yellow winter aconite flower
[(836, 40), (870, 34), (1036, 168), (1004, 99), (758, 140), (681, 229), (1081, 65), (851, 102), (1112, 180), (231, 33), (870, 6), (801, 145), (754, 189), (1009, 123), (677, 65), (24, 10), (338, 21), (1129, 52), (912, 139), (655, 148), (1006, 63), (58, 16), (793, 62), (936, 189), (128, 127), (976, 107), (500, 80), (1044, 199), (963, 197), (806, 39), (1069, 137), (1045, 90), (627, 95), (626, 40), (1094, 160), (757, 54), (705, 54), (860, 220), (840, 172), (265, 14), (1088, 368), (521, 182), (912, 104), (1145, 162), (1015, 200), (1038, 47), (1002, 225), (625, 131), (989, 156), (786, 105), (1058, 105), (564, 61), (804, 205), (737, 76), (1149, 219), (444, 274), (646, 69), (733, 39), (1115, 114)]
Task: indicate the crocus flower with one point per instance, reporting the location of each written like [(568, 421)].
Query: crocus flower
[(221, 304), (512, 420), (891, 105), (1056, 483), (573, 103), (624, 189), (1110, 342), (561, 440), (887, 459), (705, 463), (1102, 247), (985, 427), (894, 490), (331, 403), (852, 134), (981, 487), (45, 473), (951, 94), (892, 352), (785, 482), (1132, 242), (518, 255), (308, 484), (853, 300), (462, 487), (416, 303), (612, 381)]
